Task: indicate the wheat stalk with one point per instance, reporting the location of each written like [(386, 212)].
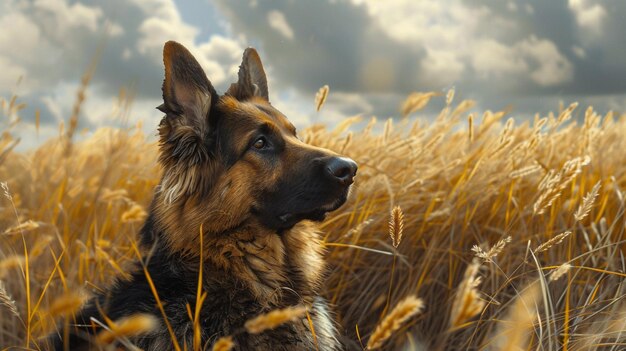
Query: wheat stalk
[(587, 204), (224, 343), (416, 101), (396, 226), (514, 329), (467, 302), (7, 301), (523, 172), (488, 255), (554, 183), (553, 241), (320, 97), (22, 227), (67, 304), (450, 96), (80, 99), (11, 262), (405, 309), (274, 319), (470, 127), (135, 214), (567, 113), (126, 327), (560, 271), (5, 190)]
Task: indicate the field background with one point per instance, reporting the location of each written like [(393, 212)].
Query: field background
[(535, 197)]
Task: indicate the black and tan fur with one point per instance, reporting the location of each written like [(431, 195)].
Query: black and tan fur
[(234, 169)]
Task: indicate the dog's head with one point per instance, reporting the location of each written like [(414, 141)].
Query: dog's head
[(234, 158)]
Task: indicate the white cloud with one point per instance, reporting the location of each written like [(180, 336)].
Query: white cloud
[(494, 59), (349, 103), (579, 52), (432, 23), (216, 56), (224, 56), (538, 57), (278, 22), (511, 6), (113, 29), (127, 54), (454, 38), (157, 30), (19, 26), (589, 16), (74, 16), (41, 40), (50, 43), (12, 73), (441, 67), (552, 67)]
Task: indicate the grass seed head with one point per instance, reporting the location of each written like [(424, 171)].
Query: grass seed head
[(134, 325), (467, 302), (553, 241), (135, 214), (488, 255), (320, 97), (514, 331), (396, 226), (224, 343), (7, 301), (274, 319), (11, 262), (587, 204), (394, 320), (560, 271), (67, 304)]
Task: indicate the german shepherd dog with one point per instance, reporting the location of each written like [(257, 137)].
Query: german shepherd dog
[(242, 192)]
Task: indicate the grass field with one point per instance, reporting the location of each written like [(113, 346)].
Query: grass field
[(510, 233)]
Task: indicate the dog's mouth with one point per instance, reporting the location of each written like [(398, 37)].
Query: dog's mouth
[(289, 219)]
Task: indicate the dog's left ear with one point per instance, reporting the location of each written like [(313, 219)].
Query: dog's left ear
[(252, 80)]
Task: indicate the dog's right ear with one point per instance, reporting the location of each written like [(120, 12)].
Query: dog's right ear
[(252, 80), (187, 92)]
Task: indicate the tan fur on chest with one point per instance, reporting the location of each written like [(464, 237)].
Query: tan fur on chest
[(267, 262)]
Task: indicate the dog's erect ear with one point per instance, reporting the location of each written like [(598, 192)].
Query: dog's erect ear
[(185, 152), (187, 92), (252, 80)]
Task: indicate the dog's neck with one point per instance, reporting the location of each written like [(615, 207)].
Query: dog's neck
[(271, 265)]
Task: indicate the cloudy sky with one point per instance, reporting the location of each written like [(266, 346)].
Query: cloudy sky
[(527, 54)]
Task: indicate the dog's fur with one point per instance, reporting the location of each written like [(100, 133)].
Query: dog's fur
[(240, 191)]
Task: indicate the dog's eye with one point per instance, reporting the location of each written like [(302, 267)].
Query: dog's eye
[(260, 143)]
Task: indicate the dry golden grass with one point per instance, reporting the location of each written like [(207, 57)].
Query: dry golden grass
[(69, 216)]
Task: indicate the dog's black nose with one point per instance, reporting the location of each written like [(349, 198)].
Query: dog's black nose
[(342, 168)]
